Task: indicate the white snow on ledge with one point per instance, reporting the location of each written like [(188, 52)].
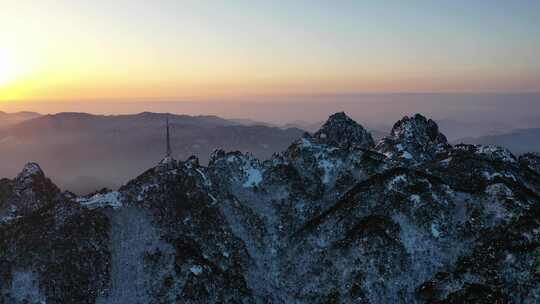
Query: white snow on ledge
[(328, 167), (110, 199), (392, 185), (196, 269), (8, 218), (253, 176), (406, 155), (496, 152)]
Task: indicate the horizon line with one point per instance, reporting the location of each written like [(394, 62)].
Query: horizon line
[(243, 98)]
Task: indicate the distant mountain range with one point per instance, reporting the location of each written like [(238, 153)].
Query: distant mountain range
[(457, 128), (518, 141), (111, 149), (7, 119)]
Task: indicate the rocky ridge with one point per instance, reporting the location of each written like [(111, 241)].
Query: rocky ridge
[(335, 218)]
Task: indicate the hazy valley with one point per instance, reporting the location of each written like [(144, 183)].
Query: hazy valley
[(84, 152)]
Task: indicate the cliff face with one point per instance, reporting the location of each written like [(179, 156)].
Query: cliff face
[(332, 219)]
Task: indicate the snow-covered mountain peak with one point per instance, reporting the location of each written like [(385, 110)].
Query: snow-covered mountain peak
[(418, 129), (30, 170), (343, 132), (31, 179), (414, 139), (166, 164), (28, 192), (236, 168)]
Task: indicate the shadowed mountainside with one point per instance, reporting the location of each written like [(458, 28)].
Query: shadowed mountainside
[(334, 218)]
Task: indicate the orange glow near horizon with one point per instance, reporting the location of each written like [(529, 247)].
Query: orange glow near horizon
[(192, 50)]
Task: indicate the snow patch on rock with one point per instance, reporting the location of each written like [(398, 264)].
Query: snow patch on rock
[(327, 167), (495, 152), (435, 230), (253, 176), (196, 269), (392, 184), (109, 199)]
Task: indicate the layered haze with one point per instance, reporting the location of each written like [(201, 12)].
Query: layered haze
[(85, 152), (465, 114)]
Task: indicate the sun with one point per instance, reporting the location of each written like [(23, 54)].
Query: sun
[(8, 67)]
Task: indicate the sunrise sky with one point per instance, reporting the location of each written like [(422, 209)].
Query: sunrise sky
[(189, 50)]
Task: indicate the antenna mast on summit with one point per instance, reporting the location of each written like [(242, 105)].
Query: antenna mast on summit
[(169, 152)]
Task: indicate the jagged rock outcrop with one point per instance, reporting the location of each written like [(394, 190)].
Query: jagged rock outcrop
[(52, 250), (28, 192), (532, 161), (333, 219), (342, 132), (412, 140)]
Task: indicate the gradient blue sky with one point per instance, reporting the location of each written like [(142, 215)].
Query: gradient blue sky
[(129, 50)]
